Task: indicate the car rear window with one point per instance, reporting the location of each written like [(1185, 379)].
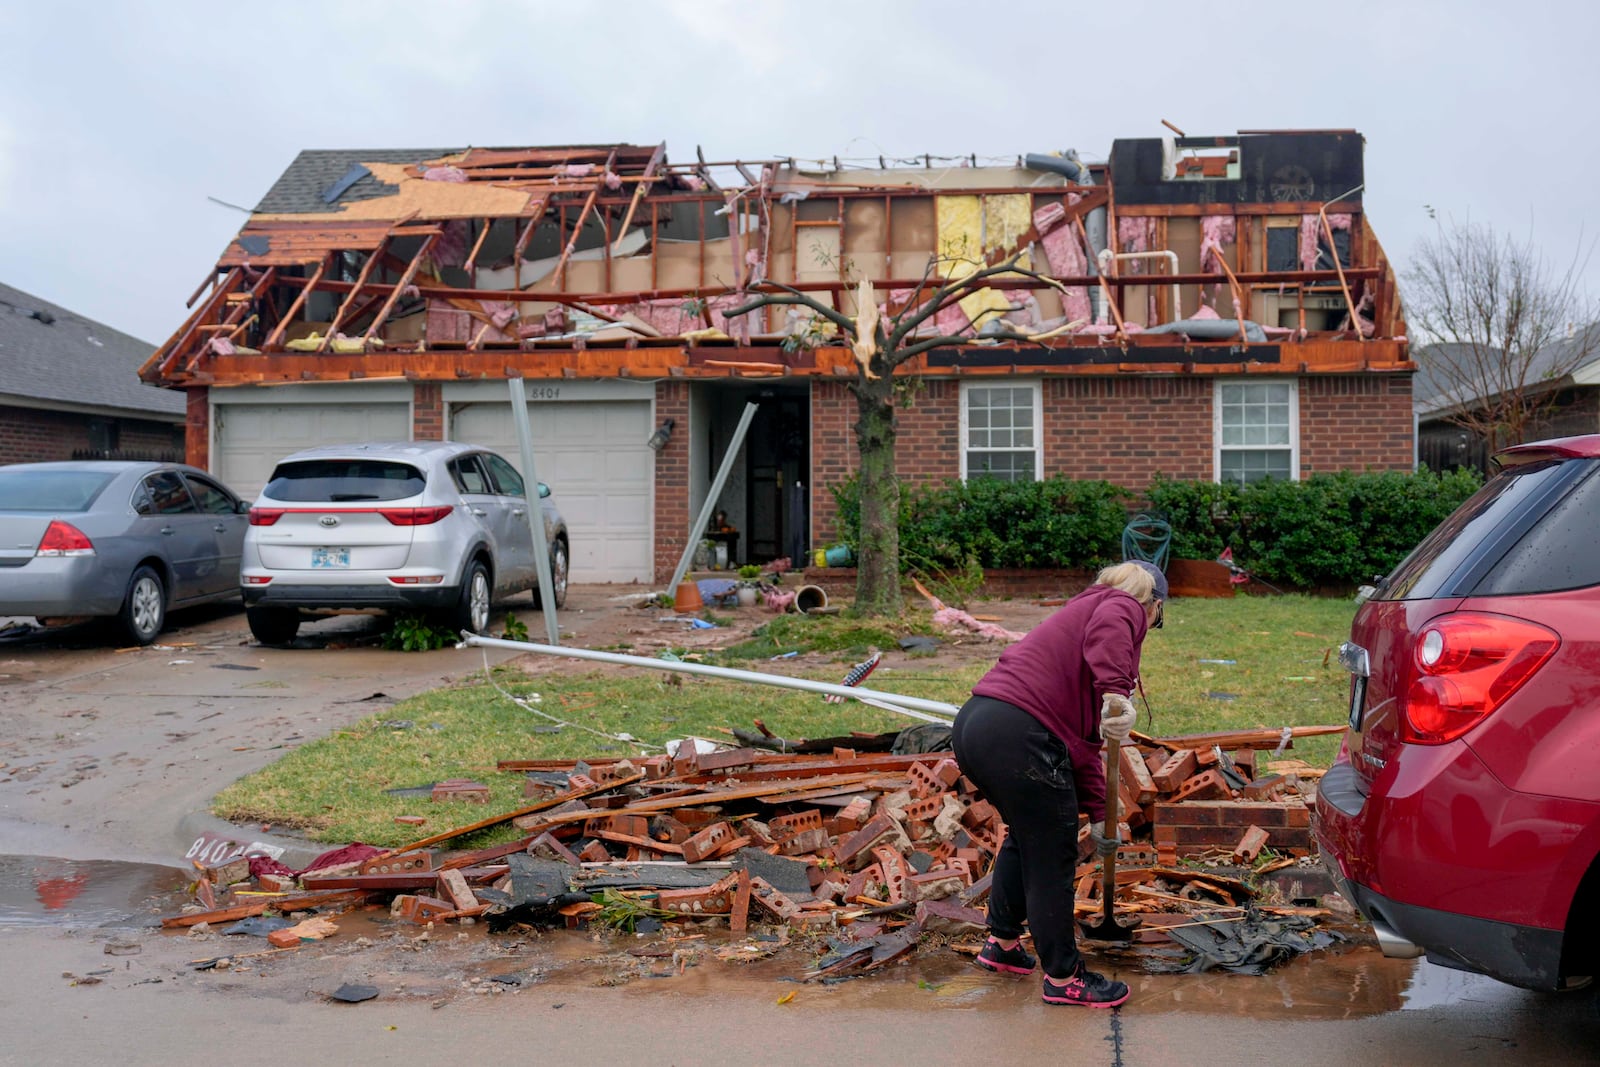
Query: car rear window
[(1557, 553), (57, 490), (334, 480), (1455, 541)]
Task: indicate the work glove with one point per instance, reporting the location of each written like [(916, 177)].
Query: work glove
[(1117, 717), (1103, 846)]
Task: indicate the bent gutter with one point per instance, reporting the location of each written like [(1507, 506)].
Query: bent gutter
[(895, 702)]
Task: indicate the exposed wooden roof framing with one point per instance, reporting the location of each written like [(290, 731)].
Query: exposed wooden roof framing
[(445, 264)]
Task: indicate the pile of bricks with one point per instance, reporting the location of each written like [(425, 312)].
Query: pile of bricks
[(866, 838)]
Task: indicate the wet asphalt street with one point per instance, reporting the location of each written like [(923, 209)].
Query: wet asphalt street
[(103, 751)]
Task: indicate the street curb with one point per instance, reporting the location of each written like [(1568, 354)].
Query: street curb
[(297, 851)]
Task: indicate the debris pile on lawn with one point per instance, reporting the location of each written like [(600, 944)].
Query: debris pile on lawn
[(870, 848)]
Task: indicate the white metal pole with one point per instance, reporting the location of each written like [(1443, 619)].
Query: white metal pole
[(895, 702), (530, 487)]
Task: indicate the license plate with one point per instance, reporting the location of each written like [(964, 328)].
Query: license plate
[(330, 557), (1358, 699)]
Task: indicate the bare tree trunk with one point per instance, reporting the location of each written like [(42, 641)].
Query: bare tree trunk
[(878, 553)]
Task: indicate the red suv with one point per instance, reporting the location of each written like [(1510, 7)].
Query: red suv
[(1463, 814)]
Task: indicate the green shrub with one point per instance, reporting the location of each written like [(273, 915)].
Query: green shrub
[(1202, 515), (1052, 523), (1341, 529)]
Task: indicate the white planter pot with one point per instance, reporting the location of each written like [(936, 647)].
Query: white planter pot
[(747, 597)]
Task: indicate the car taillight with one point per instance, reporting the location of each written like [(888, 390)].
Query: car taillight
[(1468, 665), (64, 539), (415, 516), (265, 516)]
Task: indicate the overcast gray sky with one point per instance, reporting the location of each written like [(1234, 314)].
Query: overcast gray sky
[(117, 121)]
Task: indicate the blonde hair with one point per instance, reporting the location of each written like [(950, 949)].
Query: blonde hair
[(1131, 579)]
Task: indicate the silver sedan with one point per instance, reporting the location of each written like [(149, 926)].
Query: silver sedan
[(119, 539)]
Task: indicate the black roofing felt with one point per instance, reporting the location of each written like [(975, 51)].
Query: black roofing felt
[(50, 353), (316, 172)]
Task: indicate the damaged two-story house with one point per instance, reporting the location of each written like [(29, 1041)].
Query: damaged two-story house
[(1203, 308)]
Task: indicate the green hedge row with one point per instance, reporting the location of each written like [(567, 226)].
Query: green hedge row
[(1330, 529)]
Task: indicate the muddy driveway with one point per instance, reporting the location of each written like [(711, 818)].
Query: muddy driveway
[(103, 753)]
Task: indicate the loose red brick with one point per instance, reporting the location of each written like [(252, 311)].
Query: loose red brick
[(704, 845), (1206, 785), (1250, 845), (1137, 775), (1175, 770)]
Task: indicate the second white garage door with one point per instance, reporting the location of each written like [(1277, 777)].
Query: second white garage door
[(592, 454), (249, 439)]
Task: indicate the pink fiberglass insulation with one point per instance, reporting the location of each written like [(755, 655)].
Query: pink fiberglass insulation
[(1136, 234), (1063, 251), (949, 321), (674, 319), (1311, 233), (1215, 231)]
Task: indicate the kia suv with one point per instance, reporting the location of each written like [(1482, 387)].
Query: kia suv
[(1463, 813), (427, 526)]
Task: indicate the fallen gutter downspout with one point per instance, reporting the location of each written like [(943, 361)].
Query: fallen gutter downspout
[(895, 702)]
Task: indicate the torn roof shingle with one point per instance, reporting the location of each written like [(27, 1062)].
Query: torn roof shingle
[(300, 189), (74, 360)]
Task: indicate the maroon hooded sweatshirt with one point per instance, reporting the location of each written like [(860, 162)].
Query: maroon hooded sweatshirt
[(1059, 672)]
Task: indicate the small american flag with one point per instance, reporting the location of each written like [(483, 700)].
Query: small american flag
[(857, 675)]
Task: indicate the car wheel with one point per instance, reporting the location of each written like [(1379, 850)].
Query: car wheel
[(472, 610), (273, 626), (144, 609), (558, 577)]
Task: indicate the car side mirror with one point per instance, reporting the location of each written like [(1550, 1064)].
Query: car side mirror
[(241, 507), (544, 490)]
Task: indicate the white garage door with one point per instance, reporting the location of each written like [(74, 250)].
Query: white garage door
[(592, 454), (251, 438)]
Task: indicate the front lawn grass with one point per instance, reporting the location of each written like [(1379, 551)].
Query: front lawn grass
[(1283, 672)]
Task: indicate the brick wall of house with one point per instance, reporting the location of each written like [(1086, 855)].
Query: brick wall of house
[(1355, 423), (197, 428), (427, 412), (1127, 430), (29, 435), (1124, 430), (671, 480)]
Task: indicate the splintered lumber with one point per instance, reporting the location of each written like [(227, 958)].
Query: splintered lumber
[(719, 796), (496, 820), (1229, 739), (245, 911)]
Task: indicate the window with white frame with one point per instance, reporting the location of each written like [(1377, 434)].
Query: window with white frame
[(1000, 431), (1257, 431)]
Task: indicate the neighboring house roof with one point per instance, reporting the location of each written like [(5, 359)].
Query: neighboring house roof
[(304, 188), (1437, 388), (60, 359)]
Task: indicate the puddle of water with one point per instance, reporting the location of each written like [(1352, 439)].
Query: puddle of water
[(1433, 986), (48, 891)]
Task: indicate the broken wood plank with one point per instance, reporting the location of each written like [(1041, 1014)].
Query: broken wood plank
[(495, 820)]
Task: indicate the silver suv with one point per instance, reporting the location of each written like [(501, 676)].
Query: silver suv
[(431, 526)]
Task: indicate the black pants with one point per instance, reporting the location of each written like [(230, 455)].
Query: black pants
[(1025, 772)]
